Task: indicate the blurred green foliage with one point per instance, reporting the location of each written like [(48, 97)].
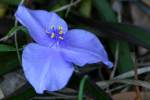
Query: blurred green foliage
[(112, 29)]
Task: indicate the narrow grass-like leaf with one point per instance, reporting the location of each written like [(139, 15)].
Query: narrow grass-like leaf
[(88, 87), (95, 91), (105, 10), (16, 2), (11, 2), (12, 32), (8, 62), (85, 8), (81, 88), (138, 35), (144, 84), (130, 33), (6, 48)]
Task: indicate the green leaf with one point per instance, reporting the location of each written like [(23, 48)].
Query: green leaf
[(11, 2), (8, 62), (124, 60), (139, 36), (104, 10), (91, 88), (130, 33), (85, 8), (88, 87), (13, 31), (16, 2), (6, 48), (81, 88)]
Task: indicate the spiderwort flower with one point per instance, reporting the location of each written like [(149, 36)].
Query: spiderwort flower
[(48, 63)]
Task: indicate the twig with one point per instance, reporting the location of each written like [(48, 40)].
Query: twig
[(116, 61), (16, 43), (68, 9), (15, 37), (126, 81), (54, 97), (57, 94), (119, 14), (6, 37), (116, 56), (67, 6), (116, 88), (131, 73), (144, 64), (138, 95), (115, 65)]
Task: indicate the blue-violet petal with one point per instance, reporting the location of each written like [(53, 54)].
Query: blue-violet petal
[(82, 47), (38, 22), (45, 68)]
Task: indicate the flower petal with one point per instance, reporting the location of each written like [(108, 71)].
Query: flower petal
[(48, 19), (42, 70), (82, 47), (38, 22)]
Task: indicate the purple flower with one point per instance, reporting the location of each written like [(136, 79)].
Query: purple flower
[(48, 63)]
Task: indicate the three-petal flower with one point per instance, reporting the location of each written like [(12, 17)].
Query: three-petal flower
[(48, 63)]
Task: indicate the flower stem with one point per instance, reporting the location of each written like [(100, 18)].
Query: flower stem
[(15, 37)]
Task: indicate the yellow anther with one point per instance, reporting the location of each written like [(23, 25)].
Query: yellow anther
[(53, 35), (52, 26), (60, 32), (61, 38), (60, 28)]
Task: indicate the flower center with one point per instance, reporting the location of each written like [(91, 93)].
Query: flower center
[(56, 33)]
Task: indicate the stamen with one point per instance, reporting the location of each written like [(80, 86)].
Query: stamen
[(61, 38), (56, 33), (60, 32), (53, 35), (60, 28)]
